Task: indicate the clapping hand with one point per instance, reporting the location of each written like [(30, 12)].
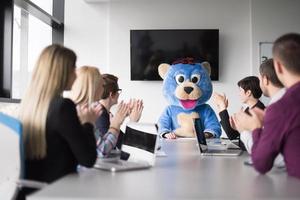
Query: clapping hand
[(121, 113), (246, 122), (136, 109), (98, 108), (220, 100)]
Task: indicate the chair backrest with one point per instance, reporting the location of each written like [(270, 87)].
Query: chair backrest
[(10, 155)]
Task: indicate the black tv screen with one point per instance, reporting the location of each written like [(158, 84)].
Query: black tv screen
[(150, 48)]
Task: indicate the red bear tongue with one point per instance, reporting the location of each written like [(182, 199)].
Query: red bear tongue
[(188, 103)]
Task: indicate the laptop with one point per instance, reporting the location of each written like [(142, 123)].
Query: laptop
[(139, 146), (204, 150)]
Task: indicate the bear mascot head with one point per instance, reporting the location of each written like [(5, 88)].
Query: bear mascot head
[(187, 87)]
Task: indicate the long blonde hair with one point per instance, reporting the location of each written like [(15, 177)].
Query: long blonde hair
[(50, 77), (86, 86)]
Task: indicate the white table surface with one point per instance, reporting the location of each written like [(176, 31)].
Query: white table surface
[(182, 174)]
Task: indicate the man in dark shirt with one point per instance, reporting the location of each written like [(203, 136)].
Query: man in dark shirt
[(278, 129)]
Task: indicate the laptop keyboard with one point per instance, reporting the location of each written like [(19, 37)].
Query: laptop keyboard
[(217, 151), (120, 165)]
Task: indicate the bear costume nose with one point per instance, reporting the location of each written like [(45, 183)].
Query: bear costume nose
[(188, 90)]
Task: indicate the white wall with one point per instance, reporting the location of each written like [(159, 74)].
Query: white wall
[(104, 28), (99, 33), (86, 27), (271, 19)]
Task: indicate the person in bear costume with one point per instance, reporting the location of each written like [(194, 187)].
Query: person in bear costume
[(187, 87)]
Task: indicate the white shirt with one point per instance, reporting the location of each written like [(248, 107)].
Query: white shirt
[(246, 136)]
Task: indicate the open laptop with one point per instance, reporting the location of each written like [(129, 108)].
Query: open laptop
[(139, 144), (204, 150)]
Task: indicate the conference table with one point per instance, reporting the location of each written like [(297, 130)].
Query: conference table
[(182, 174)]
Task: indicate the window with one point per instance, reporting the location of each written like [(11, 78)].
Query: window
[(27, 44), (46, 5), (30, 26)]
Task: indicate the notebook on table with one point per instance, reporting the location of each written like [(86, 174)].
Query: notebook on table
[(204, 148), (139, 143)]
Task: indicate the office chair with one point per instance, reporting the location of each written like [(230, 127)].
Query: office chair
[(12, 159)]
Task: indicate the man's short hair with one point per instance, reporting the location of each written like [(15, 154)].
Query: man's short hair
[(110, 85), (251, 83), (287, 49), (267, 69)]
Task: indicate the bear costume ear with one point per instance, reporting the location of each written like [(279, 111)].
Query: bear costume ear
[(206, 65), (163, 69)]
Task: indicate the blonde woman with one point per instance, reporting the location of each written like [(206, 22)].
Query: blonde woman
[(87, 90), (55, 141)]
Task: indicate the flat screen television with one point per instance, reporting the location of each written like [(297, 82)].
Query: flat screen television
[(150, 48)]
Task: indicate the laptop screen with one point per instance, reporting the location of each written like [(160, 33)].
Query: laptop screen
[(199, 128), (139, 139), (199, 131)]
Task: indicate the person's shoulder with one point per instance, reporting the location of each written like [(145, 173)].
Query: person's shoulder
[(204, 109), (105, 112), (62, 103), (260, 105), (279, 106), (103, 115), (59, 108), (286, 106), (171, 108), (279, 111), (204, 106)]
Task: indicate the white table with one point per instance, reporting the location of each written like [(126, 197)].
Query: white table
[(183, 174)]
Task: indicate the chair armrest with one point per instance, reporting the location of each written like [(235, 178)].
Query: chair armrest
[(31, 184)]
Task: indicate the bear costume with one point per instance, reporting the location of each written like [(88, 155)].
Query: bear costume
[(187, 86)]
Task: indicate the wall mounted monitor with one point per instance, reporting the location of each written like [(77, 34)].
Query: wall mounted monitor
[(150, 48)]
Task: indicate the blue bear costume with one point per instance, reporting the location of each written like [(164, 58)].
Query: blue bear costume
[(187, 86)]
